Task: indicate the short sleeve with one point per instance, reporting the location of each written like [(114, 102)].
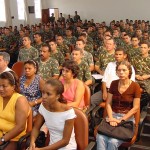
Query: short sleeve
[(137, 91), (113, 87), (71, 114), (41, 109)]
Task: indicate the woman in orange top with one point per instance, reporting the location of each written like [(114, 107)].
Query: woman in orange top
[(14, 110)]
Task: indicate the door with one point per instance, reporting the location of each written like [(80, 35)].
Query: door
[(45, 15)]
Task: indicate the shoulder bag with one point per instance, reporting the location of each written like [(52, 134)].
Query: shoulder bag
[(124, 131)]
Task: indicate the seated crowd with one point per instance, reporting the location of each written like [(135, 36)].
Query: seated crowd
[(59, 59)]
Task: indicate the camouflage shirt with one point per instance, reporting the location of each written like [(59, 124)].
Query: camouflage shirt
[(103, 59), (63, 49), (47, 69), (84, 72), (70, 41), (88, 58), (38, 47), (132, 52), (8, 41), (48, 35), (59, 57), (89, 48), (27, 54), (119, 42), (142, 67)]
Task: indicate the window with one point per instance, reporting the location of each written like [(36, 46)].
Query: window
[(2, 11), (21, 9), (37, 4)]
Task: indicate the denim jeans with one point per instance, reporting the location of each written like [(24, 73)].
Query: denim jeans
[(108, 143)]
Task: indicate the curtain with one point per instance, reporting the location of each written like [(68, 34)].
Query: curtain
[(8, 13)]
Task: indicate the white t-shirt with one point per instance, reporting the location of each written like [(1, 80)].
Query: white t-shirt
[(7, 69), (110, 74), (55, 122)]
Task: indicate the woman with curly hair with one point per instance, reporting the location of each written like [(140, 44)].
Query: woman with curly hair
[(73, 87)]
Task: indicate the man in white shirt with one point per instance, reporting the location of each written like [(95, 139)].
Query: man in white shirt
[(4, 61), (109, 76)]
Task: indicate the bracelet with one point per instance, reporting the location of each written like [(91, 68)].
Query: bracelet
[(36, 102)]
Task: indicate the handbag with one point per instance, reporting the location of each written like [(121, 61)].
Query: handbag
[(40, 141), (124, 131), (2, 147)]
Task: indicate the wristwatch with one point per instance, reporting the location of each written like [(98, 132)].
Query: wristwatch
[(2, 139)]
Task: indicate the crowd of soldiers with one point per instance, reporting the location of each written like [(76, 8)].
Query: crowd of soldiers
[(98, 41)]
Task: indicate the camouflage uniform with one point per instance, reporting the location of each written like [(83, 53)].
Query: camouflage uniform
[(98, 51), (90, 40), (8, 41), (98, 42), (88, 58), (103, 59), (76, 18), (84, 72), (1, 44), (47, 69), (92, 34), (142, 66), (60, 31), (133, 52), (20, 42), (63, 49), (119, 42), (59, 57), (89, 48), (48, 35), (27, 54), (70, 41), (127, 47), (38, 47)]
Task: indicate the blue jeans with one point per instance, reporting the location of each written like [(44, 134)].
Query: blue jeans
[(108, 143)]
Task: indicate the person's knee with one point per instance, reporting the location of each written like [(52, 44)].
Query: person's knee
[(115, 143), (99, 137)]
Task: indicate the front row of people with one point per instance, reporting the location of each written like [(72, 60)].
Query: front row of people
[(122, 102)]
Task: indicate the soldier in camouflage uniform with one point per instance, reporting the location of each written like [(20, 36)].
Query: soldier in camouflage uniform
[(62, 47), (28, 52), (47, 34), (8, 39), (116, 35), (69, 38), (56, 54), (76, 17), (20, 39), (135, 49), (127, 42), (1, 44), (37, 41), (88, 46), (105, 57), (87, 57), (146, 37), (141, 64), (91, 32), (84, 71), (48, 67)]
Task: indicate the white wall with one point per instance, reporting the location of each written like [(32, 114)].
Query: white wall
[(103, 10), (99, 10), (14, 12)]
